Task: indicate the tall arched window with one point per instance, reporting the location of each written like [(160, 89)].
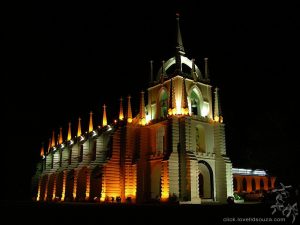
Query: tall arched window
[(261, 184), (195, 102), (244, 184), (253, 184), (200, 139), (163, 101)]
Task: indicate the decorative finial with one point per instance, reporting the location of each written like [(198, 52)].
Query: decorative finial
[(179, 48), (206, 69), (42, 150), (151, 71), (129, 111), (104, 120), (60, 136), (121, 114), (142, 110), (49, 145), (217, 109), (91, 126), (53, 139), (69, 132), (79, 127)]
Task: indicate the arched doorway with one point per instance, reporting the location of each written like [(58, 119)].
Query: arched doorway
[(205, 180), (59, 184), (244, 184), (96, 183), (43, 187), (51, 186), (261, 184), (69, 186), (253, 184), (81, 184)]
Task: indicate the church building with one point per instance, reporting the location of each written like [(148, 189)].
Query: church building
[(174, 148)]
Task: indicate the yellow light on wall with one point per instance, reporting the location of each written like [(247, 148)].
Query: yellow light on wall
[(104, 121), (178, 107), (165, 192), (216, 119)]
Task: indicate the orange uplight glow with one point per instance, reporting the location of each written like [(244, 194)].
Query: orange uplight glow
[(104, 121), (121, 114), (91, 126), (165, 182)]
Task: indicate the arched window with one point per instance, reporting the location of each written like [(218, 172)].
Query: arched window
[(253, 185), (94, 146), (234, 184), (195, 102), (261, 184), (244, 184), (70, 156), (163, 101), (80, 153), (200, 139)]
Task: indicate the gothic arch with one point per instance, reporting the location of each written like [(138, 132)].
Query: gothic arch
[(43, 186), (195, 100), (96, 183), (185, 61), (70, 185), (59, 184), (162, 103), (200, 138), (81, 184), (253, 184), (208, 180), (51, 187), (244, 182)]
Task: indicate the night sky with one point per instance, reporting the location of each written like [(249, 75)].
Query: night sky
[(64, 60)]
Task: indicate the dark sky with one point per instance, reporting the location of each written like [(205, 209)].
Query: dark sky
[(63, 60)]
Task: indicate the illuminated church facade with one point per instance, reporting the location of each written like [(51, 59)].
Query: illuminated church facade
[(173, 149)]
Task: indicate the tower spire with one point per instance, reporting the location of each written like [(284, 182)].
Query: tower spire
[(206, 73), (142, 110), (163, 72), (69, 133), (53, 139), (217, 109), (79, 127), (49, 145), (104, 119), (151, 71), (60, 141), (91, 126), (129, 112), (184, 105), (121, 114), (42, 150), (179, 48)]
